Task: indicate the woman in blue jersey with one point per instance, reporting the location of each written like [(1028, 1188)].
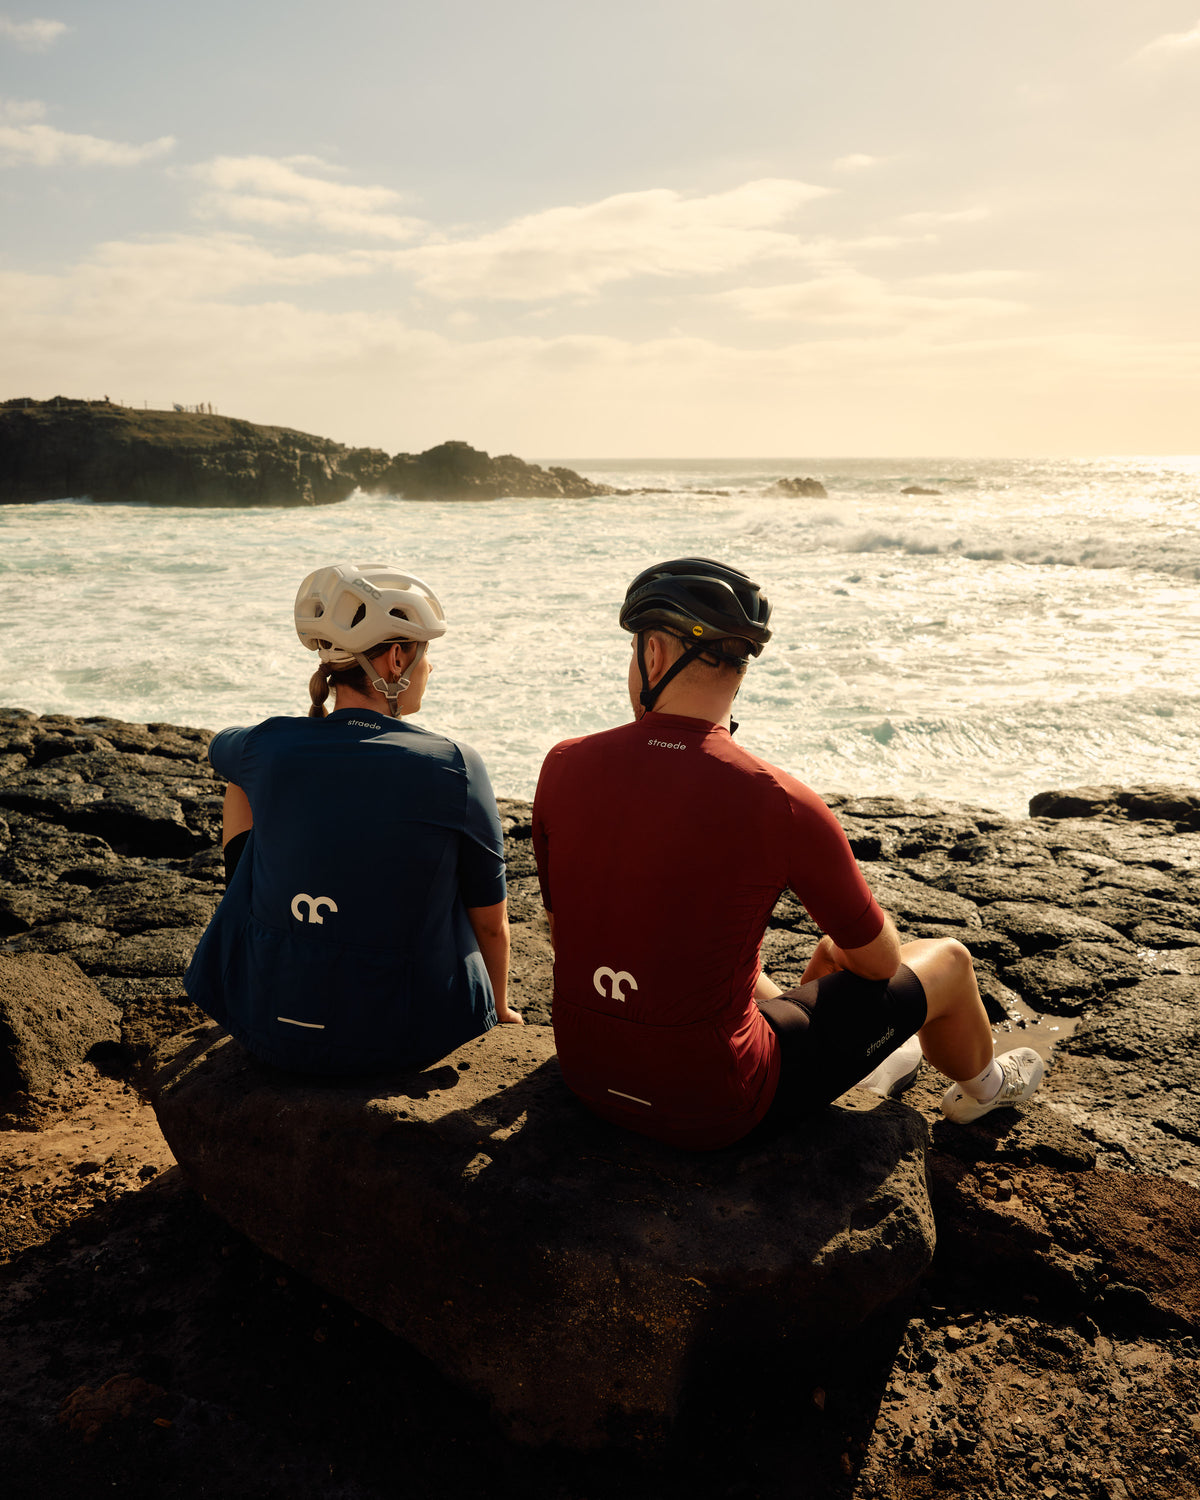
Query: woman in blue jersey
[(364, 924)]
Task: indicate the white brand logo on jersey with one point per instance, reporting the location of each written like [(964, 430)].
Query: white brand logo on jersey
[(668, 745), (314, 904), (616, 983)]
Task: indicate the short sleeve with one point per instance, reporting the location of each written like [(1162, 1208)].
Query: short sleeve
[(225, 753), (824, 874)]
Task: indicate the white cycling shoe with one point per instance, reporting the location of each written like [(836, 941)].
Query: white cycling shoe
[(1023, 1070)]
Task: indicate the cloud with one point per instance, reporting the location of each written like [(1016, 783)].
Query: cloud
[(195, 268), (930, 218), (32, 36), (1171, 45), (277, 194), (856, 162), (955, 280), (851, 298), (155, 321), (26, 141), (574, 251)]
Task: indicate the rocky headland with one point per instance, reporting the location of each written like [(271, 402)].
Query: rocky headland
[(1051, 1348), (66, 449)]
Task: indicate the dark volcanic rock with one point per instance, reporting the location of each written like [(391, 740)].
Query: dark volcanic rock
[(67, 449), (574, 1274), (1047, 1349), (1035, 928), (1130, 1076), (1063, 982), (1171, 804), (456, 471), (73, 777), (51, 1017)]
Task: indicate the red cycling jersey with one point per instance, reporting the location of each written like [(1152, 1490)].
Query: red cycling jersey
[(662, 848)]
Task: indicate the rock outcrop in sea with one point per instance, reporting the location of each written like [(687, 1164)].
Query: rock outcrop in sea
[(65, 449), (1055, 1341), (803, 487)]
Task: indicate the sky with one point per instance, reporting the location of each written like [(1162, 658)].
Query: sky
[(630, 229)]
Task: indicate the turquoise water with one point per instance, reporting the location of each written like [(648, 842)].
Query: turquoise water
[(1035, 624)]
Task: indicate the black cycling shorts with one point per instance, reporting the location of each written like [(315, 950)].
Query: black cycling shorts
[(233, 853), (835, 1030)]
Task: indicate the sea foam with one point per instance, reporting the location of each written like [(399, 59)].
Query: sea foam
[(1035, 624)]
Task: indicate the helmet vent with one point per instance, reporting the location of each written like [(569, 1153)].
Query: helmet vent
[(399, 613)]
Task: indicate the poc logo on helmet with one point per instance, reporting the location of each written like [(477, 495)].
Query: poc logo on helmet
[(314, 904), (364, 587), (611, 985)]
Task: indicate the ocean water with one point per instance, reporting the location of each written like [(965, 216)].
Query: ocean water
[(1035, 624)]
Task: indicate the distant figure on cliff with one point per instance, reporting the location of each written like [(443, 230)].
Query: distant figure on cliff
[(364, 925), (662, 848)]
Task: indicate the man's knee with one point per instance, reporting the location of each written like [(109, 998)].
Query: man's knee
[(946, 971), (958, 959)]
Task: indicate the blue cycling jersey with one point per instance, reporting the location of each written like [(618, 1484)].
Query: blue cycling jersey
[(342, 943)]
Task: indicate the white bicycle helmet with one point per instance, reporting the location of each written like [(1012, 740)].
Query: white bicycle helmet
[(343, 610)]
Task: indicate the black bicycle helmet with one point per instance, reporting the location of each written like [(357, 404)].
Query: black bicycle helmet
[(701, 601), (697, 597)]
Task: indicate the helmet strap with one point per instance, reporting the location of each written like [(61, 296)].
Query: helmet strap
[(390, 690), (649, 696)]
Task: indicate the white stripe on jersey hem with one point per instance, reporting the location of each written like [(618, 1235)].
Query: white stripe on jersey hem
[(634, 1097)]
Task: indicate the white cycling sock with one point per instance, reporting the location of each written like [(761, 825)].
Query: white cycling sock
[(987, 1085)]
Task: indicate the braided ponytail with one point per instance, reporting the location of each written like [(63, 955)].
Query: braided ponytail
[(318, 691)]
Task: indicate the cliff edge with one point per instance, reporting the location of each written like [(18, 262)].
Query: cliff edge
[(68, 449)]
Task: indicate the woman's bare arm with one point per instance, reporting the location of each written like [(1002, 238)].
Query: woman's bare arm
[(490, 925)]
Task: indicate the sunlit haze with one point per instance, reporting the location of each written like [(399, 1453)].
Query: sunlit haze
[(645, 227)]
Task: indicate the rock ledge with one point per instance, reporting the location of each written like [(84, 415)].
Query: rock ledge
[(578, 1277)]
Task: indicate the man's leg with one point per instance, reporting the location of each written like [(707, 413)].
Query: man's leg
[(955, 1033), (832, 1031), (957, 1036)]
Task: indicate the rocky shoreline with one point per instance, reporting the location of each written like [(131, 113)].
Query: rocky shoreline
[(1052, 1351), (66, 449)]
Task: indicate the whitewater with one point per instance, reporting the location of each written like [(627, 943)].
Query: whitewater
[(1034, 624)]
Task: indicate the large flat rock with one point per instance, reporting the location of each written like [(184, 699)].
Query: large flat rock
[(576, 1276)]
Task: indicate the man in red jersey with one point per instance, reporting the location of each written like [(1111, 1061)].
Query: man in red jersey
[(662, 848)]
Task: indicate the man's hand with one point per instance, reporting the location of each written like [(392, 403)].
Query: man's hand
[(878, 959), (826, 959)]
